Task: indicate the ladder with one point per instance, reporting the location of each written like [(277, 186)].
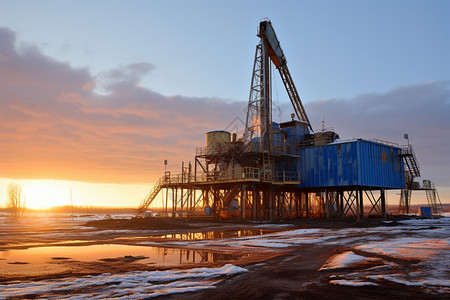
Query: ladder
[(433, 198), (150, 197), (267, 166)]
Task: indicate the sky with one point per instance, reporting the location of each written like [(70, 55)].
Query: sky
[(95, 95)]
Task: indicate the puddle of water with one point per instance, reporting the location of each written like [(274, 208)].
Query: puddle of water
[(37, 244), (42, 259), (215, 235)]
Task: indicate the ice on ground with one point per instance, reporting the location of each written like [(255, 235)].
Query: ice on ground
[(352, 282), (425, 221), (348, 236), (273, 225), (265, 244), (397, 278), (343, 260), (301, 231), (128, 285), (407, 247), (432, 269)]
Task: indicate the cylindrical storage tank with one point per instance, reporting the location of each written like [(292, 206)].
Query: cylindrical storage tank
[(216, 141)]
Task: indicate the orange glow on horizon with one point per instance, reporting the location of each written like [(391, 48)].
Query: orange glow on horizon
[(48, 193), (44, 194)]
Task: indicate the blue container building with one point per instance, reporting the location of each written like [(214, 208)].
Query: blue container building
[(358, 162), (328, 162)]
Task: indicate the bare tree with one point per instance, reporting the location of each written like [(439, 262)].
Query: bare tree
[(15, 202)]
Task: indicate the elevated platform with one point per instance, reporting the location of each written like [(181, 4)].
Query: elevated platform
[(238, 175)]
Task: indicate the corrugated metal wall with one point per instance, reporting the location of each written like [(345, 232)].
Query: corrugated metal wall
[(295, 134), (353, 163)]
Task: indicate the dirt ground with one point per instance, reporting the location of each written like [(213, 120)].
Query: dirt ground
[(288, 274), (296, 276)]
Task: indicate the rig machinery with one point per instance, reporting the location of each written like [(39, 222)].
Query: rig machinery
[(286, 170)]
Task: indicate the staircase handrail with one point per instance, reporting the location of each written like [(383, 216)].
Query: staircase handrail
[(407, 151), (150, 196)]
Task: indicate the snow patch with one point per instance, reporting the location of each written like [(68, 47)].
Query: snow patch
[(343, 260), (407, 247), (411, 282), (352, 282), (132, 285)]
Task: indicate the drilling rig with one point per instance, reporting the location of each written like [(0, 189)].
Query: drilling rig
[(281, 170)]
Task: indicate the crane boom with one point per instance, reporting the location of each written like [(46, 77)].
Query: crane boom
[(267, 33)]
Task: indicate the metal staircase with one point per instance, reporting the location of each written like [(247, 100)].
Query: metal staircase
[(150, 197), (433, 198), (410, 160), (412, 171)]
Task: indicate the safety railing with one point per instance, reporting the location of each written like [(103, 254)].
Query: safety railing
[(252, 147), (287, 176), (245, 173), (230, 174), (236, 174), (199, 151), (179, 178), (410, 160)]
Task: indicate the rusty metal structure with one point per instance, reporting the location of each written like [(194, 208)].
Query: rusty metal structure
[(412, 171), (286, 170)]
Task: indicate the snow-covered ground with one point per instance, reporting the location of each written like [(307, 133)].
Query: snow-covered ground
[(423, 242), (132, 285), (415, 253)]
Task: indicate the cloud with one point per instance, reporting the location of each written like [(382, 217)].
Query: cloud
[(55, 124), (130, 75), (420, 110)]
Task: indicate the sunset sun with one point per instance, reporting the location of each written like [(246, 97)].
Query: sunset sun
[(43, 194)]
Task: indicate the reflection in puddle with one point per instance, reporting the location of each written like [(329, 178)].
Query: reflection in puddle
[(215, 235), (47, 259), (39, 244)]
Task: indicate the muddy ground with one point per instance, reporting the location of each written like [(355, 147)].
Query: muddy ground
[(296, 276), (288, 273)]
